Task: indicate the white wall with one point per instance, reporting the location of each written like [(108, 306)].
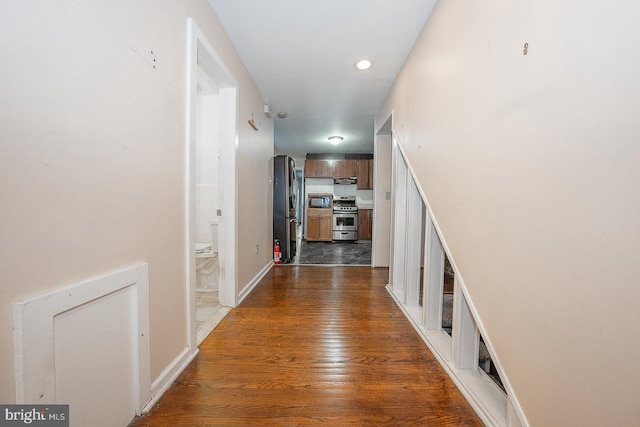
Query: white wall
[(382, 212), (92, 155), (530, 164), (207, 165)]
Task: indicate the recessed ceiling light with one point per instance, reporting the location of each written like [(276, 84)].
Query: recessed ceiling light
[(364, 64), (335, 140)]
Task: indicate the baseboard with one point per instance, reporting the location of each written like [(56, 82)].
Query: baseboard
[(488, 417), (175, 368), (254, 282), (169, 375)]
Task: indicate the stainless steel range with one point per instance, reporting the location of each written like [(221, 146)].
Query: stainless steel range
[(345, 218)]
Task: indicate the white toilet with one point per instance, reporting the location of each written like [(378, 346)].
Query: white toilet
[(207, 266)]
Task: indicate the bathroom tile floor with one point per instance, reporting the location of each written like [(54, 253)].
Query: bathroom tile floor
[(209, 313), (205, 306)]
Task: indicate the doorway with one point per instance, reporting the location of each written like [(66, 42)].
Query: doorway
[(382, 156), (211, 130)]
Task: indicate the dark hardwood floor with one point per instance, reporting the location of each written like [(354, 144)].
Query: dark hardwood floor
[(309, 346)]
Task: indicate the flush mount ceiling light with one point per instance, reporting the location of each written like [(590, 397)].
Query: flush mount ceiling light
[(282, 115), (335, 140), (364, 64)]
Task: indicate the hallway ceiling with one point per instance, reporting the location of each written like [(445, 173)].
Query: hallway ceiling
[(302, 55)]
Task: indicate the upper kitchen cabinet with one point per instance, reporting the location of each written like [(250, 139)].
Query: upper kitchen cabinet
[(365, 174), (314, 168), (341, 168), (345, 168)]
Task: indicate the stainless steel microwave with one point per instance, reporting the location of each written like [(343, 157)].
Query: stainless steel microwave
[(323, 201)]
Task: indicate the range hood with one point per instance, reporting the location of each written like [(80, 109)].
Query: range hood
[(351, 180)]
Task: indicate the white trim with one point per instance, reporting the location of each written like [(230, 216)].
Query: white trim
[(470, 383), (180, 363), (434, 278), (399, 177), (512, 415), (393, 211), (414, 244), (34, 330), (189, 190), (228, 237), (254, 282), (376, 184), (169, 375), (433, 338), (467, 338), (228, 146)]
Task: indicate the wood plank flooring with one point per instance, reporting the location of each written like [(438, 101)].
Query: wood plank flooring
[(314, 346)]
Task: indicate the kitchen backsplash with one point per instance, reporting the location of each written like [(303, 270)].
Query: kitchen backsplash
[(318, 185), (345, 189), (325, 185), (364, 198)]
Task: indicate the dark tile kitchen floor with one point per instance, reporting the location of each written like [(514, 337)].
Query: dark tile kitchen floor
[(349, 253)]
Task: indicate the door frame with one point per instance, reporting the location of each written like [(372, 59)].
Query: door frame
[(227, 226), (382, 192)]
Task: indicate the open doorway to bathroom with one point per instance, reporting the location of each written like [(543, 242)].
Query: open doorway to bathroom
[(209, 310), (211, 167)]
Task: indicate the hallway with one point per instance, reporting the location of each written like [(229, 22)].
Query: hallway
[(309, 346)]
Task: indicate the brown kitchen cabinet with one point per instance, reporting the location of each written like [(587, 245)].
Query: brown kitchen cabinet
[(314, 168), (365, 174), (361, 169), (345, 168), (319, 225), (310, 168), (365, 224)]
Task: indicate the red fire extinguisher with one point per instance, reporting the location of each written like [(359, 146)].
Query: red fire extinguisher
[(276, 251)]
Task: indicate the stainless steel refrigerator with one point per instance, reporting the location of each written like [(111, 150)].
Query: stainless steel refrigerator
[(284, 206)]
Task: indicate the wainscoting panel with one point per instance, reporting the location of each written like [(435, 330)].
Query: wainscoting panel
[(87, 346)]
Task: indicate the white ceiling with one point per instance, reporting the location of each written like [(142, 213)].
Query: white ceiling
[(301, 54)]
